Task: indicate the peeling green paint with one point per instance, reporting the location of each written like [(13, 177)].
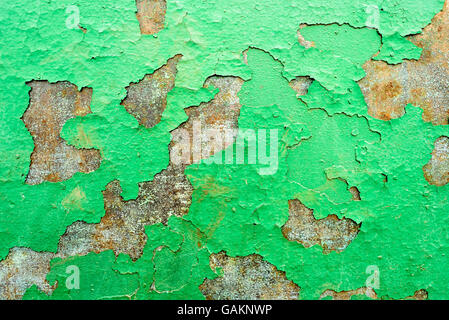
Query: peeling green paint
[(327, 143)]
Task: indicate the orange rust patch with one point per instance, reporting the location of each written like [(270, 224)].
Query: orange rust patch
[(436, 172), (51, 105), (424, 83)]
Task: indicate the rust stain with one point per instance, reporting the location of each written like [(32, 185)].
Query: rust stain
[(436, 172), (122, 229), (424, 83), (355, 194), (247, 278), (51, 105)]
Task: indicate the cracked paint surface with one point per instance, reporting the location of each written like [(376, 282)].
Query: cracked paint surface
[(360, 112)]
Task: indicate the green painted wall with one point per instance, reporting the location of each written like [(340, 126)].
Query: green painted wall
[(325, 138)]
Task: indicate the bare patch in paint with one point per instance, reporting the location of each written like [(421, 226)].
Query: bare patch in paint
[(436, 171), (419, 295), (370, 293), (347, 295), (331, 233), (302, 41), (220, 114), (151, 15), (122, 229), (147, 99), (301, 85), (21, 269), (423, 83), (247, 278), (355, 194), (51, 105)]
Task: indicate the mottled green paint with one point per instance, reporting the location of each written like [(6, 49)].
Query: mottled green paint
[(326, 137), (396, 48)]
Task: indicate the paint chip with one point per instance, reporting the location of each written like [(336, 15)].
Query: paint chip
[(331, 233)]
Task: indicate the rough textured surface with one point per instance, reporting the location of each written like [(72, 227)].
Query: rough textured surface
[(192, 140), (22, 269), (347, 295), (436, 171), (151, 15), (122, 229), (143, 225), (147, 99), (51, 105), (247, 278), (423, 83), (301, 85), (368, 293), (331, 233)]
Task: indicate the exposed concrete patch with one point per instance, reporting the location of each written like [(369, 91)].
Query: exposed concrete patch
[(302, 41), (436, 171), (301, 85), (419, 295), (331, 233), (51, 105), (370, 293), (346, 295), (151, 15), (423, 83), (220, 114), (355, 193), (146, 100), (21, 269), (247, 278), (122, 229)]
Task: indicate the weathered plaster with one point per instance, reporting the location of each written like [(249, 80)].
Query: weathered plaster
[(354, 149)]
